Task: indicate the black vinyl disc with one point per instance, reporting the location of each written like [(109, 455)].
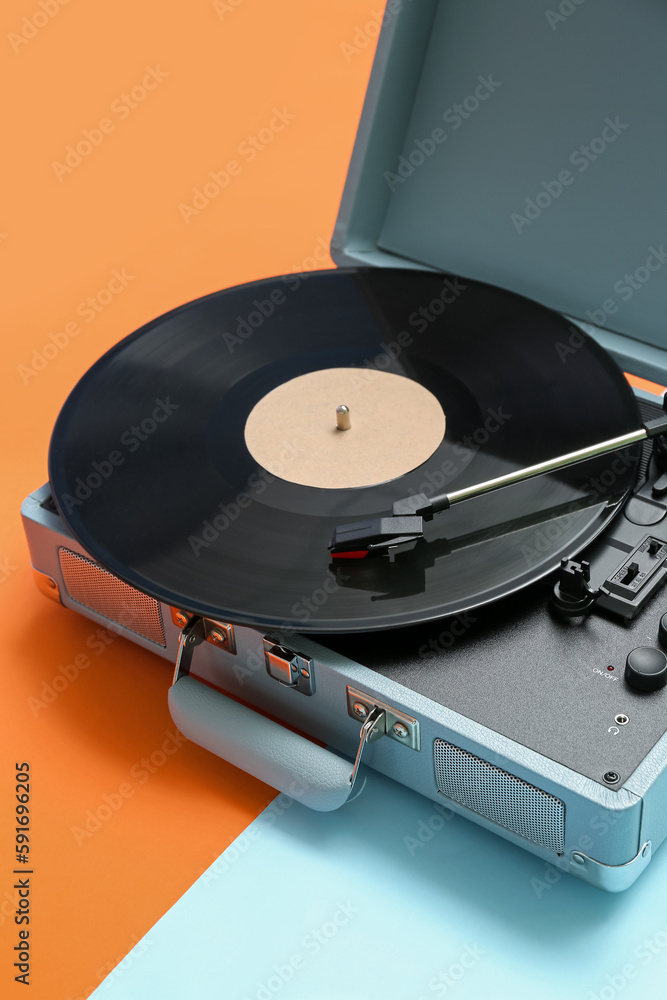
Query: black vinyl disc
[(150, 471)]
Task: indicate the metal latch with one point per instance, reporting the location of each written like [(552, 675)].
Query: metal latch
[(395, 724), (195, 631), (288, 667), (372, 729), (379, 720), (219, 634)]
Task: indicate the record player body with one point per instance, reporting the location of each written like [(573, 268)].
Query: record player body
[(514, 717), (450, 664)]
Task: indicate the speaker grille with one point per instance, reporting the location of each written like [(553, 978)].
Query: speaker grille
[(500, 796), (97, 589)]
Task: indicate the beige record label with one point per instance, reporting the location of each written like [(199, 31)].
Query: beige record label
[(395, 424)]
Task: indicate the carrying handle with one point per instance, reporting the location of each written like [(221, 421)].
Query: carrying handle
[(291, 763)]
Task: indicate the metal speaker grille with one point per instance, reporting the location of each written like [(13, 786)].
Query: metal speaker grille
[(500, 796), (101, 591)]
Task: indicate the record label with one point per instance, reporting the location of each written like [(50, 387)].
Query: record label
[(395, 424)]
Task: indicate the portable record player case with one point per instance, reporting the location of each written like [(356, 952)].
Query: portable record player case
[(409, 175)]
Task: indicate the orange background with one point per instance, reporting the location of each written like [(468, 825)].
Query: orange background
[(61, 234)]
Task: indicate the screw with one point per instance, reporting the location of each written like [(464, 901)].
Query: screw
[(398, 729), (180, 618), (611, 777), (216, 636), (360, 710)]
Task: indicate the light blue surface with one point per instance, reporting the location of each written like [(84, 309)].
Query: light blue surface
[(392, 896)]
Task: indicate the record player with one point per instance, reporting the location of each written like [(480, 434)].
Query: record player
[(410, 513)]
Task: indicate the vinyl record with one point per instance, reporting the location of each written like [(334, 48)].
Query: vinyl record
[(151, 471)]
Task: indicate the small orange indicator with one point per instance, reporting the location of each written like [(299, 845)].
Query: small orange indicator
[(641, 383)]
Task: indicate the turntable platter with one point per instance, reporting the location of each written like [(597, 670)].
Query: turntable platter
[(150, 467)]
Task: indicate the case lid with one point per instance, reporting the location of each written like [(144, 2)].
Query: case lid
[(526, 147)]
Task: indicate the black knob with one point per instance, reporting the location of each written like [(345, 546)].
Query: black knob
[(662, 631), (646, 668)]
